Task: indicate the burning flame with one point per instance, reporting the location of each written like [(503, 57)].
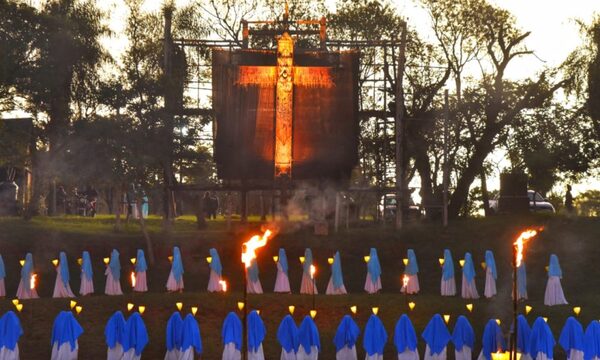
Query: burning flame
[(32, 281), (313, 271), (251, 245), (520, 243), (223, 284), (132, 276), (405, 280)]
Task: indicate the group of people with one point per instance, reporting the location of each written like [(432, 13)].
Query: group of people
[(554, 294), (126, 339)]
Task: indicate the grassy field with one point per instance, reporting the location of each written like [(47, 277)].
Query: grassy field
[(575, 241)]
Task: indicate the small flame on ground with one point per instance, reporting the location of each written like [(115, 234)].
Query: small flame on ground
[(32, 281), (255, 242), (313, 271), (223, 284), (132, 276), (405, 280)]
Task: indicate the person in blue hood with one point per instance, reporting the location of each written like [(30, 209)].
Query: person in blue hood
[(175, 280), (492, 340), (256, 336), (65, 334), (231, 335), (174, 335), (523, 335), (411, 270), (345, 339), (448, 283), (522, 281), (2, 277), (113, 275), (554, 293), (10, 333), (463, 338), (541, 341), (216, 272), (87, 275), (592, 341), (307, 285), (572, 339), (141, 283), (25, 290), (136, 337), (309, 343), (282, 281), (253, 280), (191, 340), (469, 288), (436, 336), (114, 333), (491, 275), (405, 339), (373, 281), (62, 288), (336, 282), (287, 336), (374, 338)]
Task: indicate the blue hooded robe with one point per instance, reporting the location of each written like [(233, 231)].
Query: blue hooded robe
[(308, 335), (256, 331), (114, 332), (541, 339), (405, 337), (136, 335), (375, 336), (232, 330), (86, 265), (571, 336), (287, 334), (10, 330), (215, 263), (190, 335), (436, 335), (373, 265), (412, 268), (347, 334), (463, 334), (493, 339)]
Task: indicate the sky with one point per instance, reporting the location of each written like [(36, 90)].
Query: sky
[(554, 33)]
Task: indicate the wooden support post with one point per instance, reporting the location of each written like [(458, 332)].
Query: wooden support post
[(337, 211)]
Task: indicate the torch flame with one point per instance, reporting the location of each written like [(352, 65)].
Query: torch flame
[(405, 280), (313, 270), (223, 284), (251, 245), (32, 281), (520, 243), (132, 276)]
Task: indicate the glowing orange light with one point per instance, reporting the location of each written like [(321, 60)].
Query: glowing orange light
[(521, 240), (255, 242), (132, 277), (32, 281), (284, 106), (405, 280), (313, 271), (223, 284)]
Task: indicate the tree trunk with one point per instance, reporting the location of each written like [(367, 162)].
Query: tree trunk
[(117, 206), (149, 247), (200, 213), (484, 193)]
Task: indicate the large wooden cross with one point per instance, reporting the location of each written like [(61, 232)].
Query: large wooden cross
[(285, 75)]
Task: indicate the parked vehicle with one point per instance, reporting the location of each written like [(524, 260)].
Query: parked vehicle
[(537, 203), (387, 208)]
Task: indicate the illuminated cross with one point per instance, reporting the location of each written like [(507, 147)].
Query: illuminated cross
[(285, 75)]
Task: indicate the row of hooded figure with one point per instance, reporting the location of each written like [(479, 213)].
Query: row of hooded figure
[(126, 339), (553, 296)]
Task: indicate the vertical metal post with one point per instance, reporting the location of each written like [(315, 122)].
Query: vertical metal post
[(400, 171), (245, 316), (513, 335), (445, 173)]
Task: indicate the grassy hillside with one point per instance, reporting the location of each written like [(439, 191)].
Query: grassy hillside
[(573, 240)]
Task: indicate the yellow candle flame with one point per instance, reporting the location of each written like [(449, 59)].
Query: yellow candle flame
[(405, 261), (22, 262), (545, 319), (291, 309), (461, 262), (250, 247), (72, 304), (194, 310), (15, 301), (78, 309), (223, 284), (170, 257), (313, 313), (141, 309), (209, 259), (367, 258), (258, 312), (470, 307), (55, 262), (313, 271), (330, 261), (498, 321), (133, 260), (577, 310), (528, 309), (441, 261), (483, 265), (240, 305), (411, 305), (375, 310), (276, 258), (302, 259), (447, 318), (106, 260), (80, 261), (353, 309), (19, 307), (130, 306), (32, 281), (179, 305)]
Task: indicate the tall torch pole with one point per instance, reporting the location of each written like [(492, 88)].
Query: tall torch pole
[(513, 335), (244, 322)]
